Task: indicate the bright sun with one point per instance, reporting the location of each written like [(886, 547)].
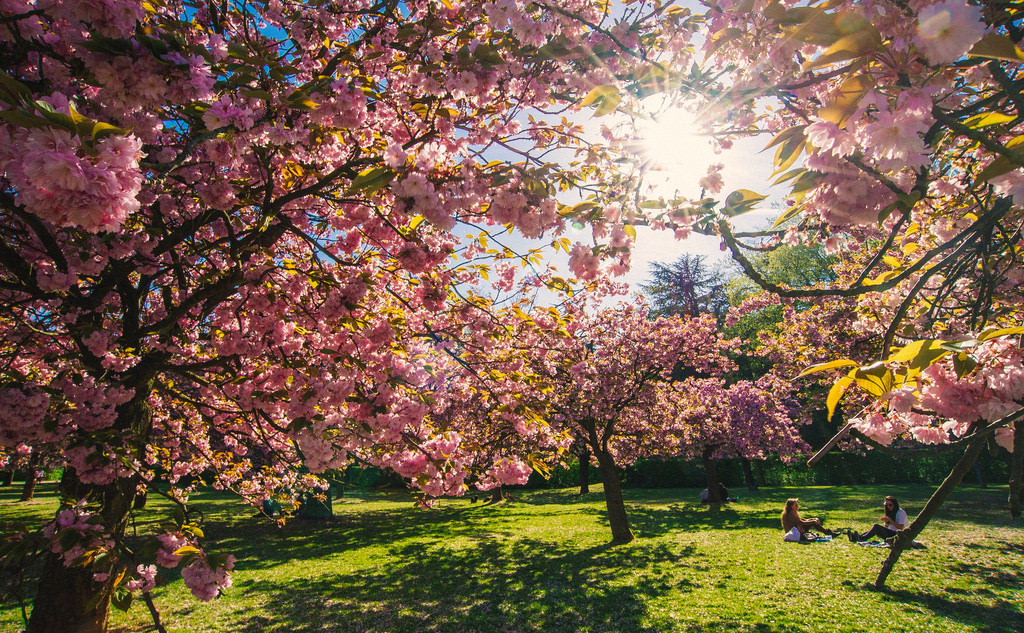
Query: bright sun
[(678, 155)]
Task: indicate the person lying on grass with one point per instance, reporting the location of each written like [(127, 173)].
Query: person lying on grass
[(791, 519), (893, 519)]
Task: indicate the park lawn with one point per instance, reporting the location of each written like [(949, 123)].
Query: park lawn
[(543, 563)]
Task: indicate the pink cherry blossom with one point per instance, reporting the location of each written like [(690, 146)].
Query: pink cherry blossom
[(947, 30)]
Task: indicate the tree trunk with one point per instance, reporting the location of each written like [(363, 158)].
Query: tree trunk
[(1017, 470), (613, 498), (497, 494), (141, 497), (748, 474), (29, 489), (711, 474), (905, 537), (68, 599), (585, 471), (6, 478)]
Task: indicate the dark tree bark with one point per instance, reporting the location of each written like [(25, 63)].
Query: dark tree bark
[(29, 489), (748, 475), (1016, 498), (6, 478), (613, 498), (584, 470), (905, 537), (497, 494), (711, 475), (68, 599)]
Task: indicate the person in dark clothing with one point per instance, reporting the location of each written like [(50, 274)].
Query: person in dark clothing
[(893, 519)]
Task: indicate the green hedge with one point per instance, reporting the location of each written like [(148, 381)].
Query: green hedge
[(834, 469)]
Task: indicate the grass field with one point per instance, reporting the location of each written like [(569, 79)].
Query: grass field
[(543, 564)]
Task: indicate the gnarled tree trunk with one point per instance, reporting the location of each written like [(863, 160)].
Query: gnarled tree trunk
[(68, 599)]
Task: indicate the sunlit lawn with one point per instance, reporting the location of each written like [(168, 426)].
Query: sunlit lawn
[(543, 564)]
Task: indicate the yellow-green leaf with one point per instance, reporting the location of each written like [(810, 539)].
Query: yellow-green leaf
[(846, 99), (836, 393), (371, 180), (790, 213), (599, 93), (834, 364), (876, 379), (186, 550), (1001, 165), (997, 46), (997, 332), (741, 201), (985, 119), (919, 354)]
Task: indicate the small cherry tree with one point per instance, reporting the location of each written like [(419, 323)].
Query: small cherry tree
[(608, 372), (746, 419)]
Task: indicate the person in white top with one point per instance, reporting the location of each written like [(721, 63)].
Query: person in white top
[(893, 519)]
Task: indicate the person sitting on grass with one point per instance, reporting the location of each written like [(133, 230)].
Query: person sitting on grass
[(893, 519), (723, 494), (791, 519)]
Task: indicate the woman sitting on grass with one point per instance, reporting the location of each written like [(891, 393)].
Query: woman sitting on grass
[(791, 519), (893, 519)]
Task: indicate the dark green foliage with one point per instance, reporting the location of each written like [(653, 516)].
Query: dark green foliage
[(686, 287)]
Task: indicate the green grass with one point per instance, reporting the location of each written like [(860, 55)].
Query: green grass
[(543, 564)]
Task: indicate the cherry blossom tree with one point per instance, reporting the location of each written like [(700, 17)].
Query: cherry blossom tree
[(235, 235), (895, 127), (745, 419), (608, 372)]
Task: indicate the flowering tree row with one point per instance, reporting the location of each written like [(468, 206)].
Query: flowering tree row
[(630, 387)]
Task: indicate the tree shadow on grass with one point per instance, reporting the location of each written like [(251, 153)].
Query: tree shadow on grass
[(653, 522), (263, 543), (520, 585), (999, 617)]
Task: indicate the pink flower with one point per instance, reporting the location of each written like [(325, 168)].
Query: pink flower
[(206, 582), (827, 137), (145, 580), (712, 181), (947, 30), (583, 262)]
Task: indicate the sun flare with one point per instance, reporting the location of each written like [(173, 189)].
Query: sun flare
[(677, 154)]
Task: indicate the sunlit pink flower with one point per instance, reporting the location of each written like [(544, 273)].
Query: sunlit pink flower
[(947, 30)]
